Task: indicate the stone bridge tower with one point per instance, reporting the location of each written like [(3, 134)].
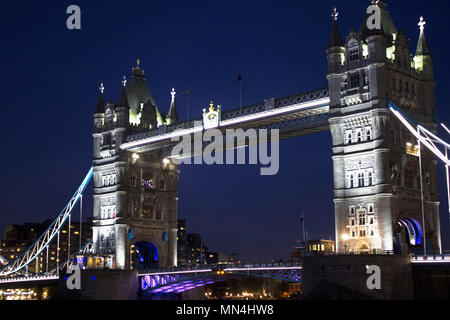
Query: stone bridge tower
[(135, 195), (377, 189)]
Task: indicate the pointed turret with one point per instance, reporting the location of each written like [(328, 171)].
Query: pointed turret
[(172, 116), (387, 25), (335, 56), (335, 36), (123, 99), (423, 60), (422, 45), (101, 101), (123, 107)]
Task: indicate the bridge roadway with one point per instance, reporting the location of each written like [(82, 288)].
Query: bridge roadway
[(178, 280), (295, 115)]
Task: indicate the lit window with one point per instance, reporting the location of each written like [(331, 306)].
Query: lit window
[(362, 219)]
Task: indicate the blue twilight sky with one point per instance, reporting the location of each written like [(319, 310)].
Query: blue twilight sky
[(49, 89)]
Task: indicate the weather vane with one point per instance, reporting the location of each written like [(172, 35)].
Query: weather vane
[(173, 93), (422, 24), (335, 14)]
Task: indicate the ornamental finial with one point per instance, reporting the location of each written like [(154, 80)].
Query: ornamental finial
[(335, 14), (124, 81), (422, 24), (211, 106), (138, 62), (173, 93), (102, 88)]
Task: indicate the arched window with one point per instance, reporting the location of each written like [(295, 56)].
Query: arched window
[(370, 178), (369, 134), (359, 136), (361, 180), (351, 181)]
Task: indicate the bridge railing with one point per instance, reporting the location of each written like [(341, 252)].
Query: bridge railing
[(214, 267)]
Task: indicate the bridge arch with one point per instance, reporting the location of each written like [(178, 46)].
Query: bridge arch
[(362, 247), (144, 255), (413, 231)]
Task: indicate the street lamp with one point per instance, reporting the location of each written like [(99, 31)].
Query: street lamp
[(345, 238)]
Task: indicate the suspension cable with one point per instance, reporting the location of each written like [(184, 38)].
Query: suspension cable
[(33, 251), (431, 141)]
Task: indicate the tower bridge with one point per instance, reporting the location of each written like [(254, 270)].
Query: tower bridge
[(379, 107)]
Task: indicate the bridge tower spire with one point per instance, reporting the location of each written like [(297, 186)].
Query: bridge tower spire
[(375, 161)]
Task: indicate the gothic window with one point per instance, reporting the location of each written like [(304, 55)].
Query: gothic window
[(362, 233), (345, 84), (158, 215), (371, 233), (370, 179), (354, 54), (371, 208), (353, 234), (353, 222), (359, 136), (369, 134), (133, 181), (413, 89), (409, 180), (348, 137), (393, 83), (351, 181), (162, 184), (354, 81), (102, 241), (371, 220), (352, 210), (400, 85), (407, 87), (366, 80), (106, 140), (427, 177), (147, 212), (362, 219), (361, 180)]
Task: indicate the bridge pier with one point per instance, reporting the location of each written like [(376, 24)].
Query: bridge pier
[(101, 285), (345, 277)]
